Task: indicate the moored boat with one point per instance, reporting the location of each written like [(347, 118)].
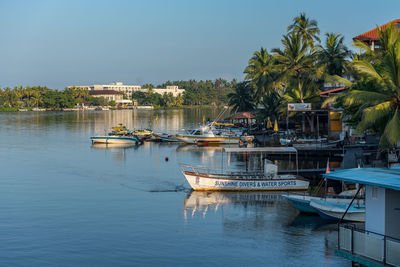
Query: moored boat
[(268, 180), (114, 139), (204, 134), (165, 137), (334, 211), (302, 202)]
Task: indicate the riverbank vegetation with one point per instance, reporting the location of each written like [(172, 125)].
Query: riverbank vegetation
[(307, 64), (12, 99)]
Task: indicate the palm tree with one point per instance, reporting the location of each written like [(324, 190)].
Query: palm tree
[(306, 28), (296, 60), (241, 99), (261, 73), (334, 55), (271, 104), (381, 106)]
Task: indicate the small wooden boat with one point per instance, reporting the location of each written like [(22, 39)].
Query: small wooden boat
[(268, 180), (334, 211)]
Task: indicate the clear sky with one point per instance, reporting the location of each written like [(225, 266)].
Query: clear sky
[(66, 42)]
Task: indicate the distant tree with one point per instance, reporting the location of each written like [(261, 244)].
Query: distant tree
[(333, 56), (241, 99), (306, 28)]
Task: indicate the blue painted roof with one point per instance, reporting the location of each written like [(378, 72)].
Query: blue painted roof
[(380, 177)]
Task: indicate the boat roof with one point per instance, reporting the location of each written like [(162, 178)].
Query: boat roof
[(261, 149), (380, 177)]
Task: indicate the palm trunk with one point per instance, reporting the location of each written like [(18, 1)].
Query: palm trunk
[(300, 89)]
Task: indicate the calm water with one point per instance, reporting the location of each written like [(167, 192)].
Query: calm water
[(65, 202)]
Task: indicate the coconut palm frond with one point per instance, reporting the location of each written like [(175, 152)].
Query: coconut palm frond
[(392, 134), (366, 68), (336, 79), (363, 97), (330, 101), (373, 114)]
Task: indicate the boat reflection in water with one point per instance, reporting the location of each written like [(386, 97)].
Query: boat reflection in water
[(118, 150), (205, 201)]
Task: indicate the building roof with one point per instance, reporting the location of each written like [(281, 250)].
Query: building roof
[(380, 177), (242, 115), (373, 35), (104, 92), (336, 90)]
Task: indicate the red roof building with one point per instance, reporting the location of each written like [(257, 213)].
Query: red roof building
[(372, 37)]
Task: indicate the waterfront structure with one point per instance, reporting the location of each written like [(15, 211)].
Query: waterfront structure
[(379, 243), (128, 90), (371, 37)]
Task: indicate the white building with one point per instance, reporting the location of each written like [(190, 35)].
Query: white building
[(170, 89), (127, 90)]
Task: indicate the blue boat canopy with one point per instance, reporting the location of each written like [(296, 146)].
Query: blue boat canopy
[(380, 177)]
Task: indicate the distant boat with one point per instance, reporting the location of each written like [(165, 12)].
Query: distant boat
[(269, 180), (119, 135), (146, 133), (206, 134), (114, 139), (165, 137), (302, 202), (334, 211)]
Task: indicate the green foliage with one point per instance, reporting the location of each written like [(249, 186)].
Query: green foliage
[(43, 97), (206, 92), (374, 99), (241, 99)]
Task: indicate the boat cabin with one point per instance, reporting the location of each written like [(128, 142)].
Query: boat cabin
[(378, 243)]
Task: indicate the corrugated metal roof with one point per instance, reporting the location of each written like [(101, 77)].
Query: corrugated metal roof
[(380, 177), (373, 34)]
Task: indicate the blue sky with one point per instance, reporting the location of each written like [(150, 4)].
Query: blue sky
[(61, 43)]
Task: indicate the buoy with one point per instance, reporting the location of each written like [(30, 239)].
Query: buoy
[(166, 159)]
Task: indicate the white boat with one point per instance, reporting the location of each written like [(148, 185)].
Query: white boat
[(114, 139), (302, 202), (206, 134), (268, 180), (334, 211)]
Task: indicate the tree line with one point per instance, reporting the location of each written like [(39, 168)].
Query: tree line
[(12, 99), (297, 71), (208, 92)]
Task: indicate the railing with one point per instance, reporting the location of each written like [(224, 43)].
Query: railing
[(380, 248)]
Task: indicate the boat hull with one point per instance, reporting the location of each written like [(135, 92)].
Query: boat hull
[(114, 139), (205, 182), (196, 139), (303, 203), (335, 212)]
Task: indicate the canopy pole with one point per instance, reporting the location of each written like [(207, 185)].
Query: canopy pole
[(344, 214)]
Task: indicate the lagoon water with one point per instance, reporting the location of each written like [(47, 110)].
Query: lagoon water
[(64, 202)]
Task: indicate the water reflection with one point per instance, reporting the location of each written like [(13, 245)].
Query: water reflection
[(118, 150), (202, 201)]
